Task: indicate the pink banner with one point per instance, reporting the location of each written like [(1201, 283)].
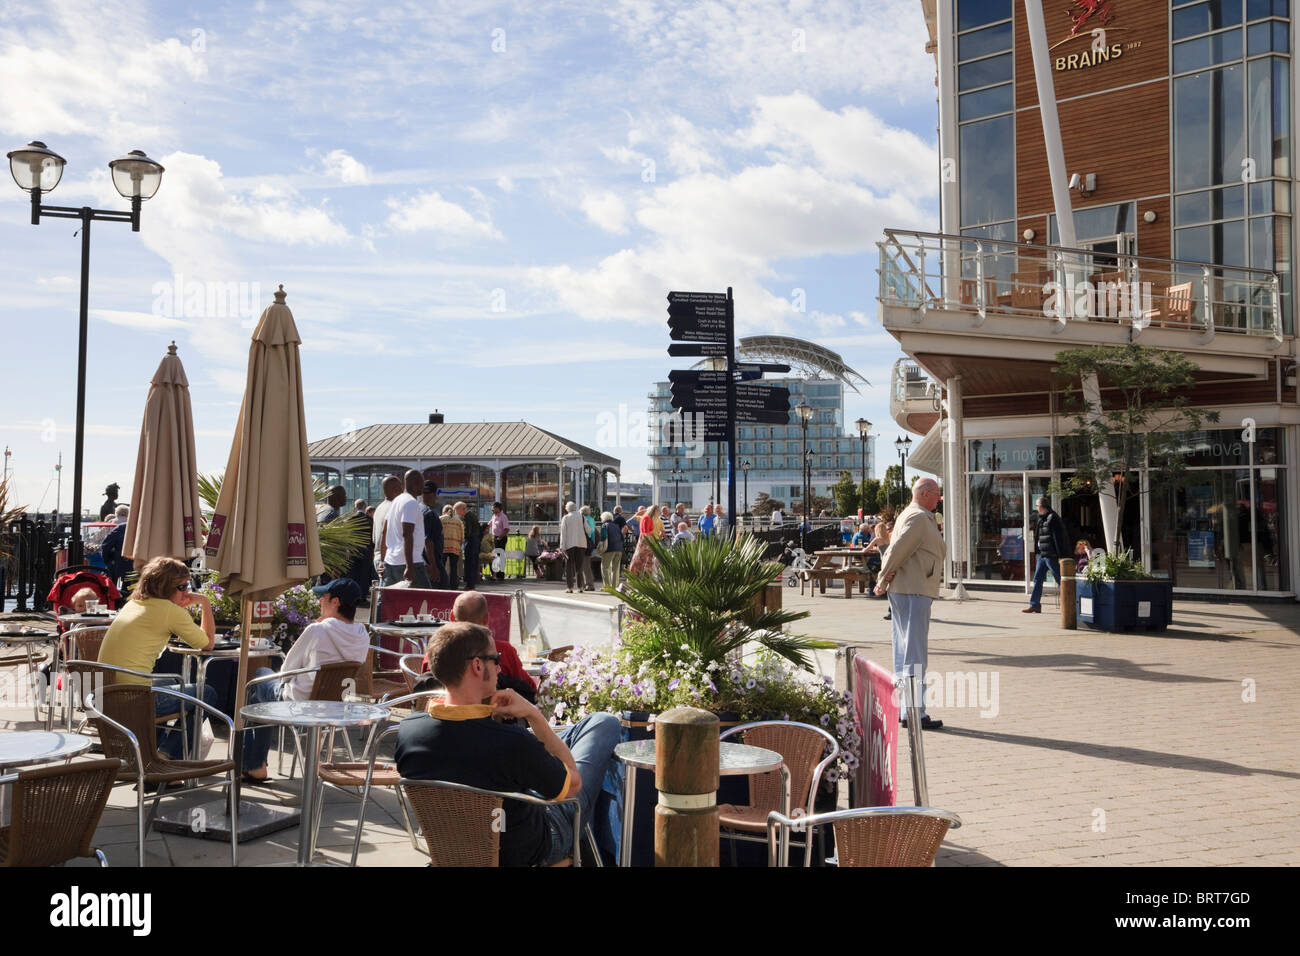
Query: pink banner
[(394, 602), (876, 706)]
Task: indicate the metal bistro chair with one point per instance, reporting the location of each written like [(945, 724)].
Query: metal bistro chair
[(807, 751), (56, 811), (331, 680), (457, 821), (84, 677), (365, 774), (125, 724), (77, 643), (873, 836)]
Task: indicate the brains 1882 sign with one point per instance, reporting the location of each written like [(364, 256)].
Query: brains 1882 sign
[(1089, 42)]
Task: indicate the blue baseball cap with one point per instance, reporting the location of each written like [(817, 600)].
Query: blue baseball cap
[(345, 589)]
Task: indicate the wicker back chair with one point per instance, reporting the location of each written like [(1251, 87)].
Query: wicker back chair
[(364, 774), (56, 811), (124, 716), (874, 836), (807, 751), (457, 819), (558, 653), (88, 642)]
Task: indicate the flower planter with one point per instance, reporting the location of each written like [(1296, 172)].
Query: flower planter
[(1125, 605)]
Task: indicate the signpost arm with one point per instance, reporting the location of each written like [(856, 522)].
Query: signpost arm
[(731, 407)]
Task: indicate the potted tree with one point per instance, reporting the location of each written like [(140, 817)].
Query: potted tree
[(1129, 420)]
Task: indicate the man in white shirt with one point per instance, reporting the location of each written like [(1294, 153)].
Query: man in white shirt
[(683, 534), (404, 536), (777, 518), (336, 636)]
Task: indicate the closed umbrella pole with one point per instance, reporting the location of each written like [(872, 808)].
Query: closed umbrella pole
[(164, 515), (263, 537)]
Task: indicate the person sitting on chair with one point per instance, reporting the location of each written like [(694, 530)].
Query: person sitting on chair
[(335, 636), (156, 611), (471, 608), (461, 742)]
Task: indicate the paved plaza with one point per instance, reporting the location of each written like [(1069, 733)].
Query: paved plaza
[(1075, 748)]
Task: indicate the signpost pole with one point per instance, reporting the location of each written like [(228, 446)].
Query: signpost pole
[(731, 406)]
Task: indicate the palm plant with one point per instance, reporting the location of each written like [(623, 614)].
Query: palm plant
[(7, 517), (703, 595), (340, 540)]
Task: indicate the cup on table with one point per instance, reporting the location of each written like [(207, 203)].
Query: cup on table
[(407, 618), (92, 607), (426, 618)]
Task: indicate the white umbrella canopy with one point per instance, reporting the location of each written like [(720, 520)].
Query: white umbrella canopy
[(164, 516), (263, 533), (263, 538)]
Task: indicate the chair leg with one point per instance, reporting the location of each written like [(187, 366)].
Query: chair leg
[(139, 818), (103, 860), (361, 820), (320, 806), (234, 823), (407, 818), (589, 835)]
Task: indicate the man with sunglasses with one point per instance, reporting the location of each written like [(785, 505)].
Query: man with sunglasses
[(461, 742)]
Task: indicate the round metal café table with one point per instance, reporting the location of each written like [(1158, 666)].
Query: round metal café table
[(312, 716), (189, 654), (25, 748), (419, 630), (88, 620), (734, 760)]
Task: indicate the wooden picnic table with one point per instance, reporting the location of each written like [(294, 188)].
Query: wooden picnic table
[(838, 564)]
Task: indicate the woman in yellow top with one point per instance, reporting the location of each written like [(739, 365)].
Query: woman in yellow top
[(156, 611)]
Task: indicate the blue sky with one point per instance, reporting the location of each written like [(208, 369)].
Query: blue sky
[(474, 207)]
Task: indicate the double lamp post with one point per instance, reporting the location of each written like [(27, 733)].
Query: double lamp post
[(37, 170)]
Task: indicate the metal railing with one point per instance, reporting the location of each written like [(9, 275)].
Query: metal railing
[(911, 383), (29, 573), (930, 271)]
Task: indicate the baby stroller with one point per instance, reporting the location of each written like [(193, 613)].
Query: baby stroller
[(73, 579)]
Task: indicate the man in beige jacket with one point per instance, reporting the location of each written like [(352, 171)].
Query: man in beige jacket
[(911, 572)]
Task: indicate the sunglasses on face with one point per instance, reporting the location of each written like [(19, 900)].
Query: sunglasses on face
[(184, 586), (494, 658)]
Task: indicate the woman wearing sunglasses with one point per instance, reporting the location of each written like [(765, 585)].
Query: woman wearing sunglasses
[(158, 609)]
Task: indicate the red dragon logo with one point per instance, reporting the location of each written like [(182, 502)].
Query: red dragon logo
[(1089, 10)]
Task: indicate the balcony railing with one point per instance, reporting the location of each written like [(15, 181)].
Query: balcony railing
[(911, 384), (929, 271)]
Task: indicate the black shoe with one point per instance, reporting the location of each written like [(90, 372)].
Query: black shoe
[(889, 615), (929, 723)]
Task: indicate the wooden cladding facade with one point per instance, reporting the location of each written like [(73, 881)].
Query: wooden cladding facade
[(1114, 119)]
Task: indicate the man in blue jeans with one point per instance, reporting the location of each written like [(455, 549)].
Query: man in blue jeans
[(1050, 543), (461, 742)]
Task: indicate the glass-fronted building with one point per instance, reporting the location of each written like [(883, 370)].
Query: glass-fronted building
[(1177, 136)]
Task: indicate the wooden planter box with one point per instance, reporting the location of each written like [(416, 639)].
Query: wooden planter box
[(1125, 605)]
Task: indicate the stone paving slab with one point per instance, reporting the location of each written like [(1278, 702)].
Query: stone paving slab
[(1177, 748)]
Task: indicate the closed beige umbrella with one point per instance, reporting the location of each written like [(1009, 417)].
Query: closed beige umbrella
[(164, 515), (262, 538)]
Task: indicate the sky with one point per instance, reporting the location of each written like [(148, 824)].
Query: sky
[(474, 207)]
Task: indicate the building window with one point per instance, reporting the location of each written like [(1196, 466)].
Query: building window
[(977, 13)]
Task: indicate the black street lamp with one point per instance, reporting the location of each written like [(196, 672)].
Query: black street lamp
[(805, 413), (744, 468), (864, 430), (37, 170), (677, 480), (904, 446)]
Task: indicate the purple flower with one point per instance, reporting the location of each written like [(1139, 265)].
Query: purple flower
[(637, 689), (672, 684), (559, 677), (713, 687), (826, 720)]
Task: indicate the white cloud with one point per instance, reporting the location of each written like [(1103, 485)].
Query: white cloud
[(505, 184), (95, 71), (494, 127), (607, 210), (343, 167), (137, 320), (853, 143), (429, 212)]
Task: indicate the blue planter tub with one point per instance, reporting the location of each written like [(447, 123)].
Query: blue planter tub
[(1125, 605)]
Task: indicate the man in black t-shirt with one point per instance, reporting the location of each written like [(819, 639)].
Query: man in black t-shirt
[(459, 742)]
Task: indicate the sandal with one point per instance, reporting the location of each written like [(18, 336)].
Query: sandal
[(255, 781)]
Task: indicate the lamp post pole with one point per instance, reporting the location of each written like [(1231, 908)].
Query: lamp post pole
[(904, 445), (805, 412), (37, 169), (677, 481), (559, 489), (744, 468), (864, 429)]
